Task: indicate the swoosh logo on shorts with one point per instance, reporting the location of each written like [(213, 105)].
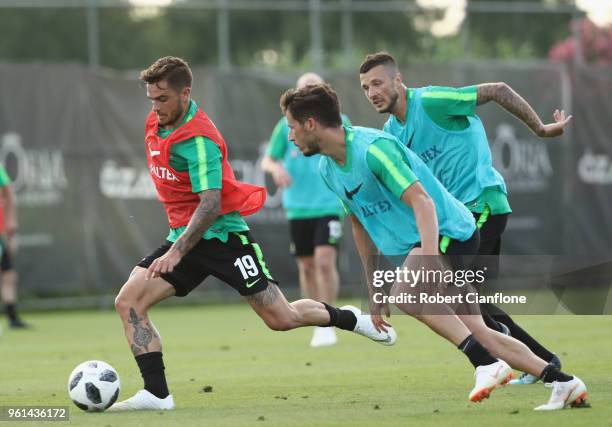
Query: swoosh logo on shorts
[(249, 285)]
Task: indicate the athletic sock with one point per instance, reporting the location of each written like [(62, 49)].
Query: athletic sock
[(552, 373), (477, 354), (342, 319), (518, 333), (490, 322), (11, 312), (152, 370)]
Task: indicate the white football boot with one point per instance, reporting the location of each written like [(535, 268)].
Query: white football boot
[(488, 378), (323, 337), (366, 328), (569, 393), (144, 401)]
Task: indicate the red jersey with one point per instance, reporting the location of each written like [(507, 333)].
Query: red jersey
[(174, 187)]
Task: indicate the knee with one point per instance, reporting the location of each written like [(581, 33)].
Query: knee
[(324, 266), (411, 309), (401, 290), (126, 301), (122, 304), (307, 267)]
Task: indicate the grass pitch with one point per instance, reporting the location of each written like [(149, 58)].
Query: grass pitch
[(265, 378)]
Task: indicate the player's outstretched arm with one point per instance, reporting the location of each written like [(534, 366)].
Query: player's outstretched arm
[(365, 246), (424, 209), (512, 102), (368, 253), (207, 211)]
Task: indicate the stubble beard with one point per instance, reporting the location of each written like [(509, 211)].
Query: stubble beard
[(313, 147), (394, 96), (172, 122)]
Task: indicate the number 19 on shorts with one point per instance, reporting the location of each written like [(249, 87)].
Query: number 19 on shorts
[(248, 267)]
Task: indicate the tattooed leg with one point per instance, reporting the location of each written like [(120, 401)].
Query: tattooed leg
[(142, 336), (266, 297), (132, 305), (274, 309)]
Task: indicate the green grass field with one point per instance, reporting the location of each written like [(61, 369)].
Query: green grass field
[(261, 377)]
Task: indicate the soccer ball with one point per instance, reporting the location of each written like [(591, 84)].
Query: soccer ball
[(93, 386)]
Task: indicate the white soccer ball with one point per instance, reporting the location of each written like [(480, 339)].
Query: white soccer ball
[(93, 386)]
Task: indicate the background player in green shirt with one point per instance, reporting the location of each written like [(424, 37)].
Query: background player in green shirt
[(440, 124), (314, 215), (8, 227)]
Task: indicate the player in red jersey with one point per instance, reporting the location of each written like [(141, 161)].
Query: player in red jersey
[(204, 202)]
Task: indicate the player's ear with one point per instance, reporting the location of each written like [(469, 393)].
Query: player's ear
[(310, 124), (186, 92), (398, 79)]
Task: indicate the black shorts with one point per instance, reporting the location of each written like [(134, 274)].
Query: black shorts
[(6, 260), (461, 254), (238, 262), (306, 234), (491, 231)]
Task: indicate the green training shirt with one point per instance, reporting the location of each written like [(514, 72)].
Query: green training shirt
[(448, 107), (390, 166), (202, 158), (388, 163)]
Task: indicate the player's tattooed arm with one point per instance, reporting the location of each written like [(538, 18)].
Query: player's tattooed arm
[(207, 211), (514, 103)]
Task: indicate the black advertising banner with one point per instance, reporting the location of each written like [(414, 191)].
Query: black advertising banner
[(72, 141)]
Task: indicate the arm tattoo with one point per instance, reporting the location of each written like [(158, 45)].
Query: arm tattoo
[(142, 335), (264, 298), (485, 92), (512, 102), (207, 211)]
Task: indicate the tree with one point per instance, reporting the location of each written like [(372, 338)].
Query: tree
[(595, 43)]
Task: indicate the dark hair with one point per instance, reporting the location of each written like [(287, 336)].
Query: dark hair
[(317, 101), (174, 70), (375, 59)]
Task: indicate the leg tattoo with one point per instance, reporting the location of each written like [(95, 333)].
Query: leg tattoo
[(136, 350), (266, 297), (142, 335)]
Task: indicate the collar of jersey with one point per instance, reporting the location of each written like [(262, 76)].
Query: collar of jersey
[(348, 140), (409, 91)]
